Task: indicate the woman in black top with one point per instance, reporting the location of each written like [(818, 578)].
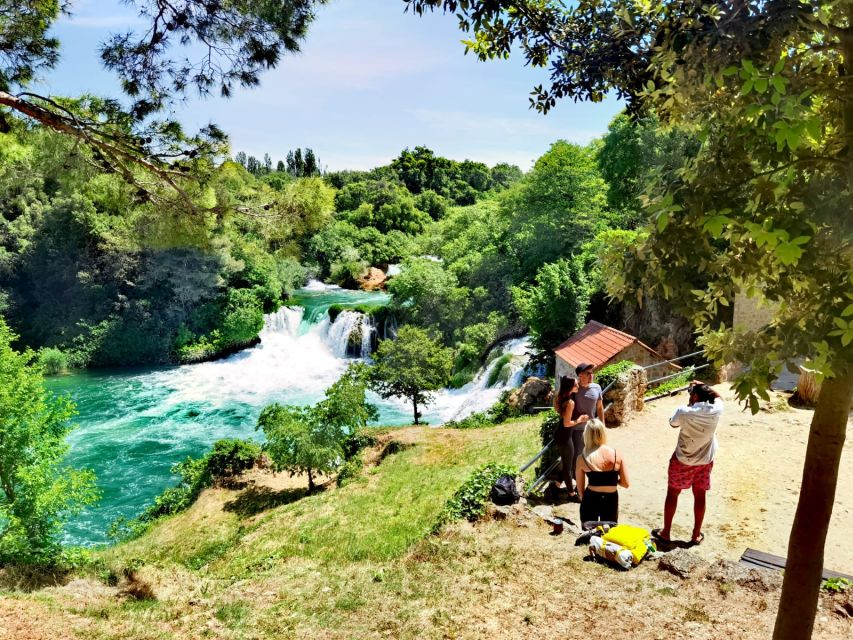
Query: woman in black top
[(599, 473), (564, 404)]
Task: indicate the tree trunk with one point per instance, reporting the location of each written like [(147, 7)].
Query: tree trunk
[(801, 585), (310, 481), (415, 405)]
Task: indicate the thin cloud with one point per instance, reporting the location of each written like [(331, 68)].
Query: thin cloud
[(469, 122)]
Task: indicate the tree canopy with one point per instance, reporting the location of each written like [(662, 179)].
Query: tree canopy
[(184, 47), (37, 491)]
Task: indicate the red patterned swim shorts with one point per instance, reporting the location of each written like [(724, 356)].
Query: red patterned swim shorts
[(683, 476)]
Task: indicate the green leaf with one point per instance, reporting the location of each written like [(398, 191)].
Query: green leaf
[(714, 225), (788, 253), (761, 85), (838, 322), (663, 220), (848, 311), (753, 404), (729, 71), (747, 87), (778, 84)]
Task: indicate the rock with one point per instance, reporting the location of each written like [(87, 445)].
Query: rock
[(762, 580), (498, 512), (373, 280), (680, 562), (841, 611), (626, 396), (543, 511), (535, 392)]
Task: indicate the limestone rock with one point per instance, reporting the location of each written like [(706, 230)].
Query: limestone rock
[(626, 394), (681, 562), (728, 571), (373, 280), (535, 392)]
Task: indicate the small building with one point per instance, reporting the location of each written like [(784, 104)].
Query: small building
[(601, 345)]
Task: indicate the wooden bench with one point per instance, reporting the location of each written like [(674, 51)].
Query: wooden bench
[(762, 560)]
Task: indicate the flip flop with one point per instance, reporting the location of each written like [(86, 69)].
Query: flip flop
[(695, 542), (657, 536)]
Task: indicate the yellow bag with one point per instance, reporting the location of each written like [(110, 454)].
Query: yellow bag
[(636, 539)]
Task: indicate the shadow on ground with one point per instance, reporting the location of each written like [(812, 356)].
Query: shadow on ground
[(254, 500)]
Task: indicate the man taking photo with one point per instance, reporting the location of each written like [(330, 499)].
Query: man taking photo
[(691, 464)]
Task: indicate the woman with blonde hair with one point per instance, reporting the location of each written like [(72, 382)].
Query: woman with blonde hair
[(600, 471)]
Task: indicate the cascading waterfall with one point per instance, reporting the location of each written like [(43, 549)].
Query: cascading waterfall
[(135, 424)]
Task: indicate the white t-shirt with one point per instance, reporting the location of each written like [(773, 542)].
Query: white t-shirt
[(697, 442)]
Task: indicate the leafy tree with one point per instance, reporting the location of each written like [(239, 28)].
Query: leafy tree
[(411, 366), (555, 306), (311, 439), (632, 154), (427, 295), (184, 46), (505, 175), (37, 492), (553, 209), (766, 87)]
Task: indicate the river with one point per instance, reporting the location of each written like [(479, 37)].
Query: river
[(134, 424)]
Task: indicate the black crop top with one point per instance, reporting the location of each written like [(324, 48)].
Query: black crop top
[(603, 478)]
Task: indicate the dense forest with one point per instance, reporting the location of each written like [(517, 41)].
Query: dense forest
[(92, 274)]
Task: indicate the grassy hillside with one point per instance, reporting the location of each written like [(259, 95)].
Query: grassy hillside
[(266, 561)]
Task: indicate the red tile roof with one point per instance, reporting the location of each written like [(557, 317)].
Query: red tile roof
[(595, 343)]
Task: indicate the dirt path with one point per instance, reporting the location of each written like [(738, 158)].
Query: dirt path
[(755, 482)]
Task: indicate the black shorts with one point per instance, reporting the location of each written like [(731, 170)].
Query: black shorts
[(599, 506)]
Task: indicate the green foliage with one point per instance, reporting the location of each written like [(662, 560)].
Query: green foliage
[(427, 295), (547, 428), (469, 501), (37, 491), (349, 471), (357, 441), (678, 382), (554, 209), (53, 361), (608, 374), (410, 366), (312, 440), (836, 585), (555, 307)]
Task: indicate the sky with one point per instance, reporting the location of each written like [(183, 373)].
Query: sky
[(370, 81)]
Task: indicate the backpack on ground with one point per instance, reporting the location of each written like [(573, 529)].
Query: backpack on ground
[(504, 491)]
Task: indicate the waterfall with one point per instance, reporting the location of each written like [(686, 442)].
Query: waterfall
[(338, 335), (389, 330), (368, 331), (286, 320)]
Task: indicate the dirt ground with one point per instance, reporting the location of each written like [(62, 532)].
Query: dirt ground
[(754, 486)]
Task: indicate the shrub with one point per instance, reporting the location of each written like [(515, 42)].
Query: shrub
[(502, 410), (679, 381), (349, 471), (357, 441), (53, 361), (606, 375), (550, 423), (469, 501), (474, 421), (230, 457)]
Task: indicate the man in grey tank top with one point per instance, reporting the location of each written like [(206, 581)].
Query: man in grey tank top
[(588, 401)]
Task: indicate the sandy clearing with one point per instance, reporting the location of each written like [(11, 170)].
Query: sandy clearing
[(755, 482)]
